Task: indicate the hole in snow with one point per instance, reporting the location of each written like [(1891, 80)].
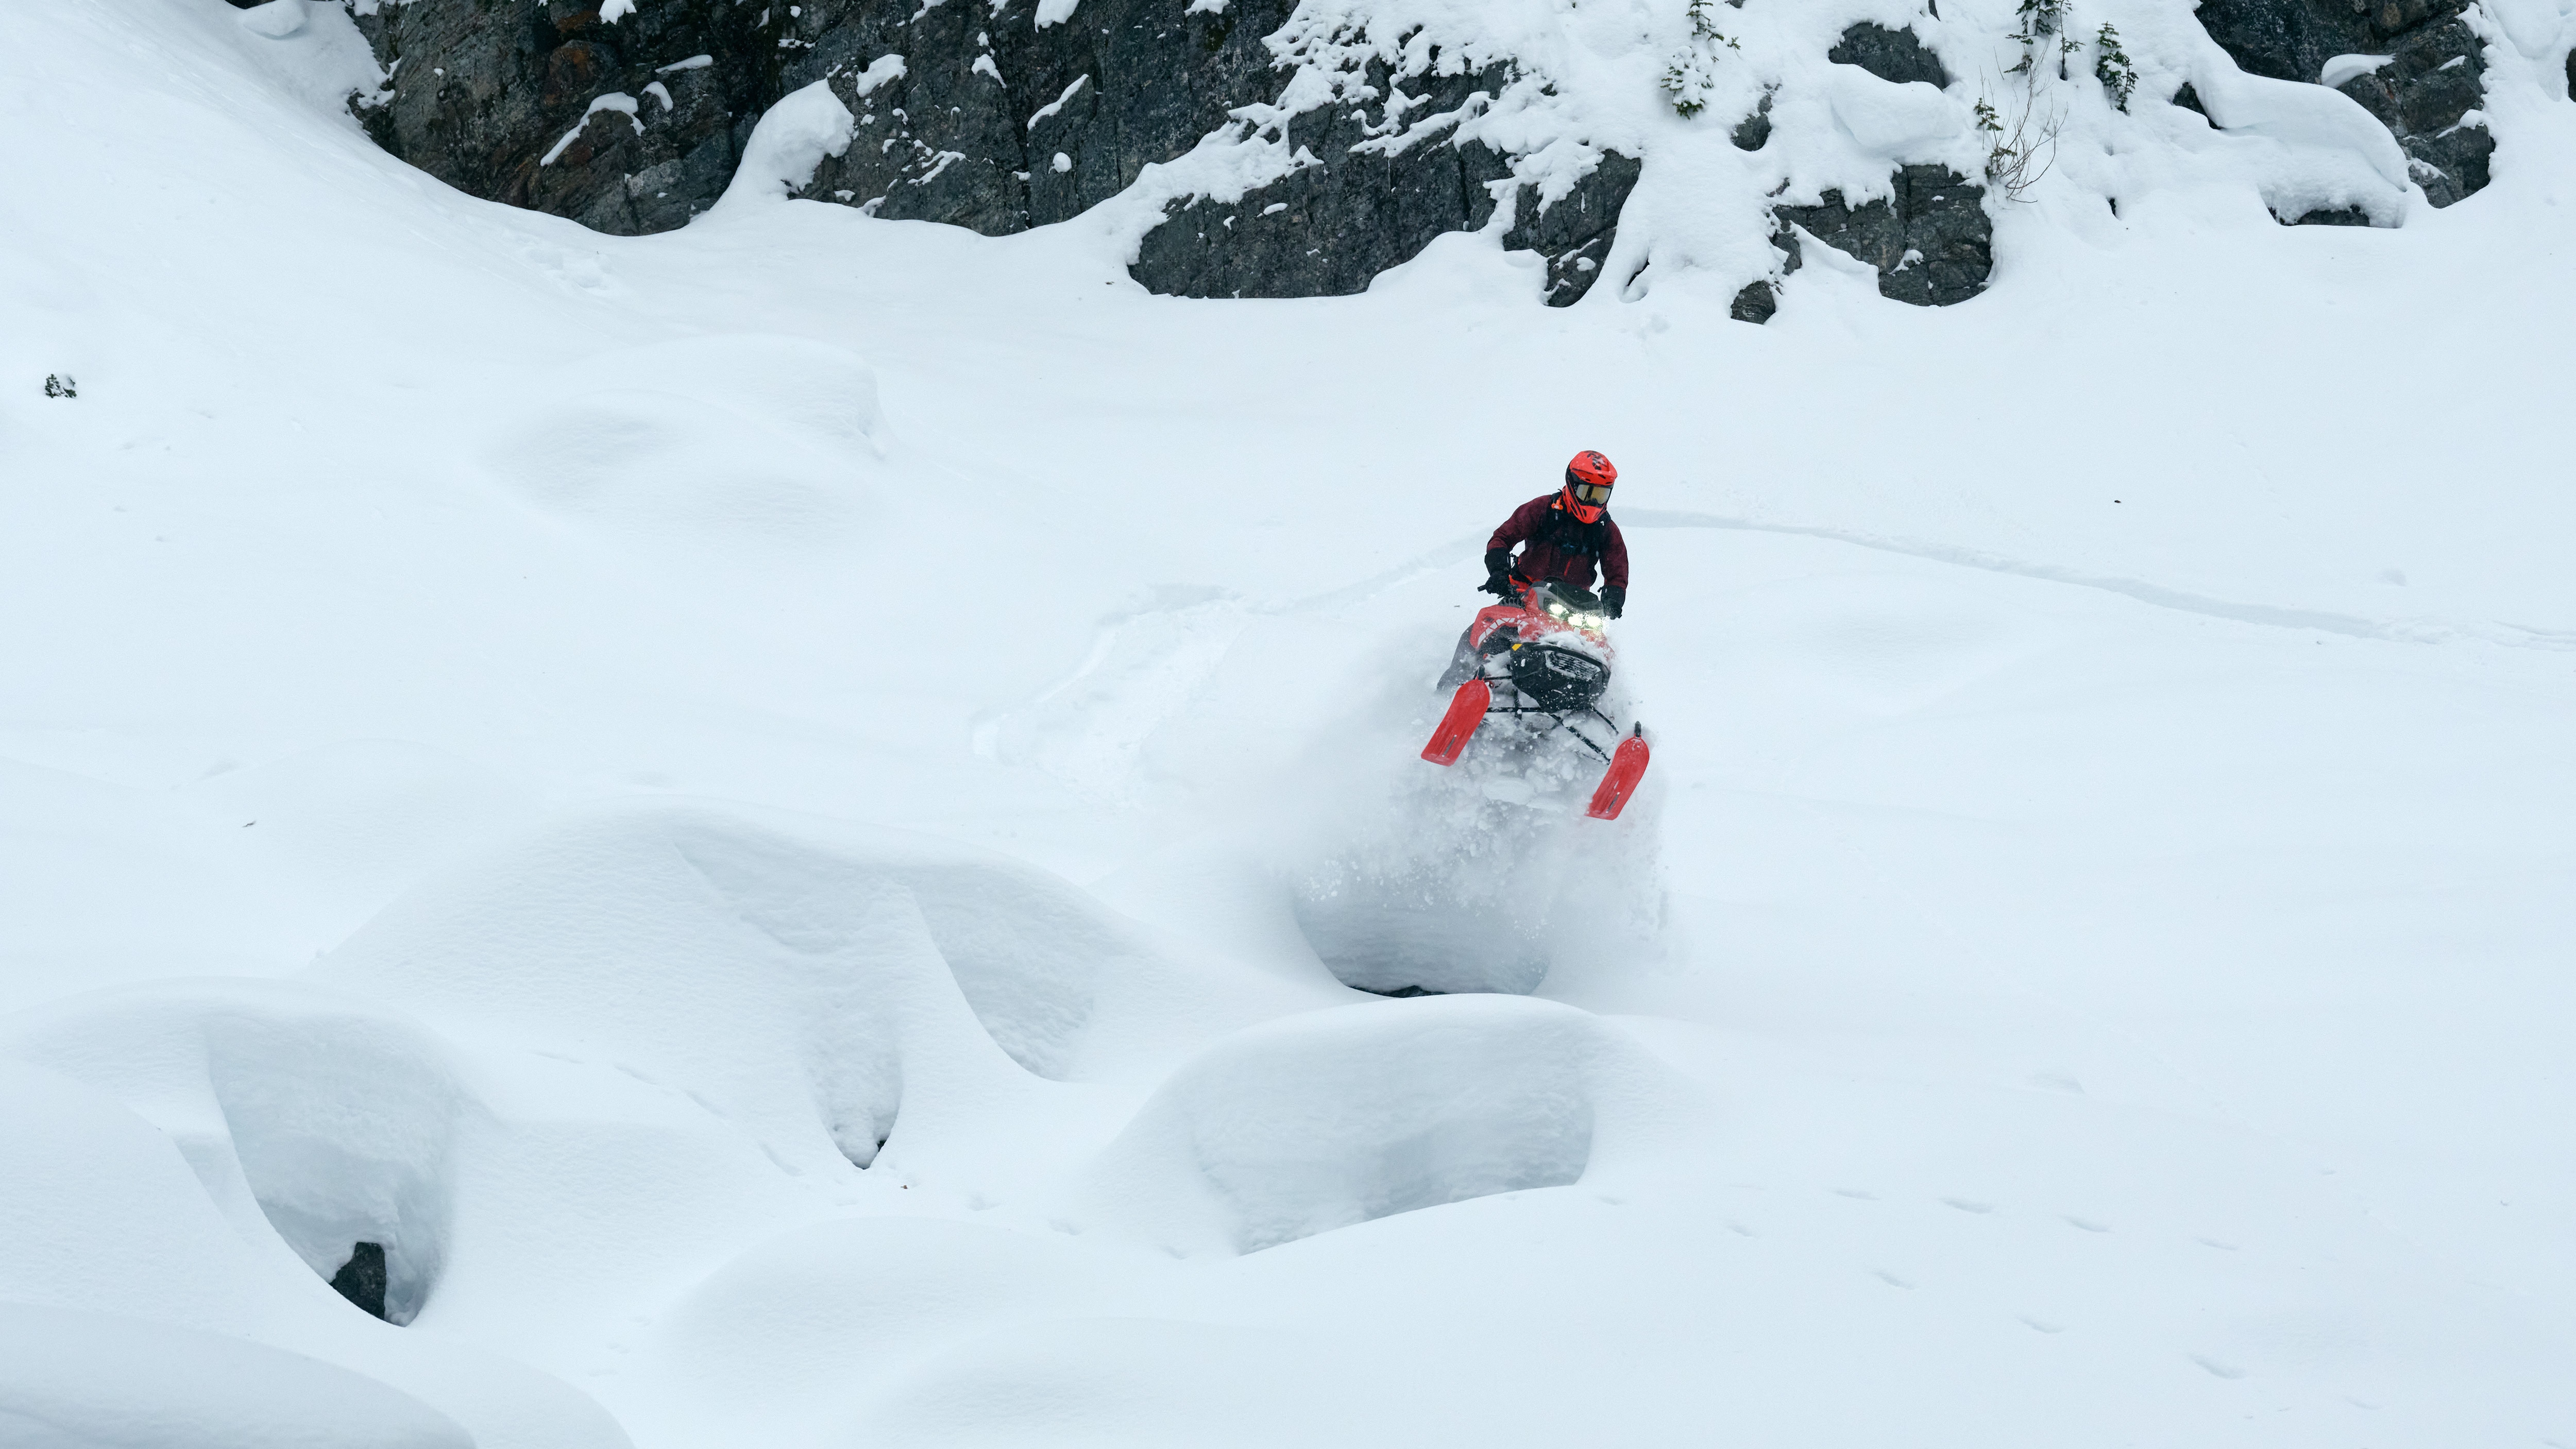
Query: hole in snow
[(341, 1126)]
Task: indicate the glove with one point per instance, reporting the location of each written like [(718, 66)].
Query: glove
[(1615, 598), (1498, 574)]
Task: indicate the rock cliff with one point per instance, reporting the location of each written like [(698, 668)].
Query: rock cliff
[(2415, 65), (630, 116)]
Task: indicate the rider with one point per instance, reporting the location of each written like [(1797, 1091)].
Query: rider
[(1567, 533)]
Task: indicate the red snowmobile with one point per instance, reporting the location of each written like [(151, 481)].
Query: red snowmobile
[(1543, 661)]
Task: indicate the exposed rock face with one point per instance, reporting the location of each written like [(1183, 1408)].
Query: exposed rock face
[(361, 1280), (1890, 55), (1327, 229), (980, 116), (1754, 131), (2421, 95), (2434, 78), (961, 129), (1931, 242), (967, 114), (1574, 234), (484, 96), (971, 131)]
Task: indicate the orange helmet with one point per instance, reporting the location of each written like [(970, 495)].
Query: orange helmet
[(1587, 486)]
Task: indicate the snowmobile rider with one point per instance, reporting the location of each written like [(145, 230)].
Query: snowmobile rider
[(1568, 533)]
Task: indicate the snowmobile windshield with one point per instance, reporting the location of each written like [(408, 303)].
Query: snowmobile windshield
[(1568, 604)]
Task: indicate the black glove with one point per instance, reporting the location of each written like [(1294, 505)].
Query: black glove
[(1615, 598), (1498, 575)]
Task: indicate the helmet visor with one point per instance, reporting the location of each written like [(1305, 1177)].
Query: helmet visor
[(1591, 495)]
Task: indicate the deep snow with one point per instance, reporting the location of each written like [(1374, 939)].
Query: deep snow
[(549, 752)]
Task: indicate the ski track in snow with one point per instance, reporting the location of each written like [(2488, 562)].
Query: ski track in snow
[(2402, 631)]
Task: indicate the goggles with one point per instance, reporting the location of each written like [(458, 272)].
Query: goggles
[(1591, 495)]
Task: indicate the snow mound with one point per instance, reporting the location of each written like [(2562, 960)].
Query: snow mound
[(765, 439), (353, 823), (76, 1380), (1339, 1117), (777, 966), (106, 1217), (1138, 1382), (790, 140), (332, 1123), (803, 1326)]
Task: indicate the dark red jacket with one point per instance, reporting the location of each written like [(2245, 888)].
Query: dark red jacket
[(1562, 549)]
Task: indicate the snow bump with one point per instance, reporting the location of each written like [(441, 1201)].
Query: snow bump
[(1335, 1118), (77, 1380)]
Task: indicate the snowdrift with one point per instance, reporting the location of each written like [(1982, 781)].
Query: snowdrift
[(1336, 1118)]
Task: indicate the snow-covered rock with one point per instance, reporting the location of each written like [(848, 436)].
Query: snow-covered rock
[(1281, 148)]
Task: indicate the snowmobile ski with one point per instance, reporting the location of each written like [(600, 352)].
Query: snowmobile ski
[(1627, 767), (1466, 711)]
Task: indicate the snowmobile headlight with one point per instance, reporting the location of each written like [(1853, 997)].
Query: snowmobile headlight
[(1592, 621), (1556, 608)]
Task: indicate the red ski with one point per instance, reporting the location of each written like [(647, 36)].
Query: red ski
[(1466, 711), (1627, 767)]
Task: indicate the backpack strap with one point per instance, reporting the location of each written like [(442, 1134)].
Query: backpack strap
[(1568, 534)]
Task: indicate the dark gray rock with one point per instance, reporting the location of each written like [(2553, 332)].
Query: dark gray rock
[(1574, 235), (1756, 303), (1326, 230), (1323, 230), (1890, 55), (1932, 242), (2436, 77), (2293, 39), (972, 133), (2571, 75), (996, 124), (2189, 100), (361, 1280), (1754, 131), (483, 94)]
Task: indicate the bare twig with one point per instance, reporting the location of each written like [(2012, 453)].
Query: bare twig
[(2019, 152)]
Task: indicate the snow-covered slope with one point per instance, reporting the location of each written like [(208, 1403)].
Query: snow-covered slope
[(748, 802)]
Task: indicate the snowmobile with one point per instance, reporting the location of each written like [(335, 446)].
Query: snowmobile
[(1541, 662)]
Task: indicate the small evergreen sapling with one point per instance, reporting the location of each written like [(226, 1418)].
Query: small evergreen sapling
[(2041, 19), (1692, 77), (60, 385), (2112, 66)]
